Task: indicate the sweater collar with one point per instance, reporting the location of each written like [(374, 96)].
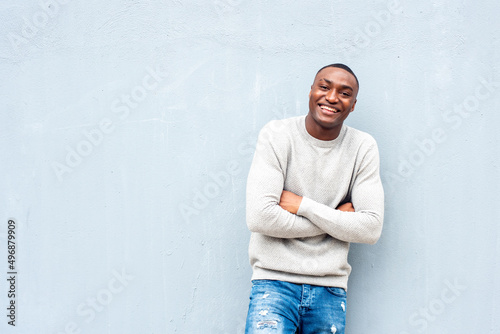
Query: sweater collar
[(301, 125)]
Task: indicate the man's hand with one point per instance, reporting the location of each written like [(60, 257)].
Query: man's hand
[(290, 202), (347, 207)]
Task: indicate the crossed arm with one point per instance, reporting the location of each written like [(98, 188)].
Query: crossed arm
[(279, 213), (293, 216), (291, 203)]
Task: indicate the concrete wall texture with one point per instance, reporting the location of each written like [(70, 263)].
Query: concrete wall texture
[(127, 131)]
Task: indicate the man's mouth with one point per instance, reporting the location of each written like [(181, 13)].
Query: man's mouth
[(329, 109)]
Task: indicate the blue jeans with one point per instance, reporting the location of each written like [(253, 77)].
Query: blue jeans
[(285, 308)]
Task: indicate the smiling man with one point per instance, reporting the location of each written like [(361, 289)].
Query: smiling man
[(313, 188)]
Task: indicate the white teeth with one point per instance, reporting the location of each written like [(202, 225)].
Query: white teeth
[(329, 109)]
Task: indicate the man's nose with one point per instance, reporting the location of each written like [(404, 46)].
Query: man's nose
[(332, 96)]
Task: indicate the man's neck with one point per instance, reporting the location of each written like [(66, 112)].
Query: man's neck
[(319, 132)]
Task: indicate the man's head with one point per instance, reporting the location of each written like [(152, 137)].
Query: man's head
[(342, 66), (331, 99)]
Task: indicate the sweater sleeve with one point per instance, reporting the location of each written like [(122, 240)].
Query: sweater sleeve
[(264, 187), (367, 197)]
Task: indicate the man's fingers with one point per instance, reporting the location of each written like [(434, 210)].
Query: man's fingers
[(347, 207)]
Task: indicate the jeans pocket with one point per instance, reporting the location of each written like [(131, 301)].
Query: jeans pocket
[(339, 292), (259, 288)]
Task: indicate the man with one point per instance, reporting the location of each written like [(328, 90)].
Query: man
[(313, 187)]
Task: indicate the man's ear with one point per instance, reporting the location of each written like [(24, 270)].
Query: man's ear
[(352, 109)]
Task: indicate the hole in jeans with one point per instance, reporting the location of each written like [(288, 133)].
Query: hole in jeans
[(267, 324)]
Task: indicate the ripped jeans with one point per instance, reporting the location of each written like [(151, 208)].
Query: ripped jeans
[(286, 308)]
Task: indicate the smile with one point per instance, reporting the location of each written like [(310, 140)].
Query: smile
[(333, 110)]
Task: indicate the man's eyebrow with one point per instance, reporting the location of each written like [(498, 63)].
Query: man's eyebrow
[(331, 82)]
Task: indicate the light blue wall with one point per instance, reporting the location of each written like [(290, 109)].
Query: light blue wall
[(127, 130)]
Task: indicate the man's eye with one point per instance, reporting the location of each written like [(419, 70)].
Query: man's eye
[(346, 94), (323, 87)]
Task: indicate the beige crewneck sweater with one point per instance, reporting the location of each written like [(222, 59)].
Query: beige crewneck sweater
[(311, 247)]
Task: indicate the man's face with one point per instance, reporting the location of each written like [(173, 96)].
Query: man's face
[(332, 97)]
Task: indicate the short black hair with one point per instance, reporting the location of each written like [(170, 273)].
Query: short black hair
[(342, 66)]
